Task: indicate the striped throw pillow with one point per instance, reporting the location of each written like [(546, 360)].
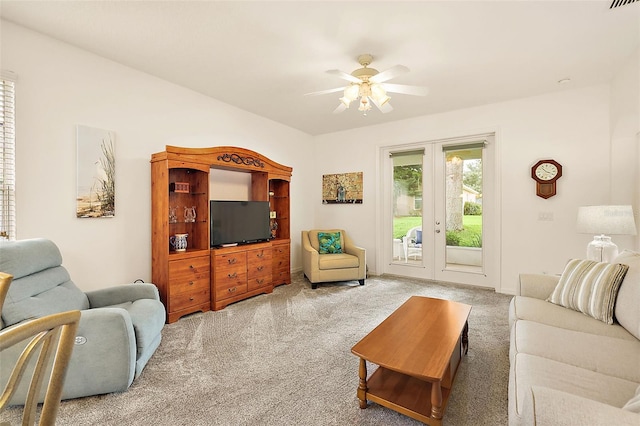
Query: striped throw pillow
[(589, 287)]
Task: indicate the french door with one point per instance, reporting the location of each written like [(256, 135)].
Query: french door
[(439, 211)]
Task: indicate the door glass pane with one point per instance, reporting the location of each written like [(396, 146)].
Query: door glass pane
[(463, 208), (407, 207)]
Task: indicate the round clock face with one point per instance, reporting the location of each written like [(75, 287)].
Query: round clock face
[(546, 171)]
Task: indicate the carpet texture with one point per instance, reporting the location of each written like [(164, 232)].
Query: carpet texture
[(285, 359)]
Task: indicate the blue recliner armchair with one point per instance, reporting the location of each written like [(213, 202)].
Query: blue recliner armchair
[(120, 327)]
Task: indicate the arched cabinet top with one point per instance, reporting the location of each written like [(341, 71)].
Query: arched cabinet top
[(224, 157)]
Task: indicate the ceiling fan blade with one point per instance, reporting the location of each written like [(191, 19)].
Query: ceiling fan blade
[(385, 108), (389, 74), (343, 75), (324, 92), (340, 108), (407, 90)]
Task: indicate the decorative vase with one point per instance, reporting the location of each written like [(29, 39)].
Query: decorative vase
[(179, 242), (190, 214)]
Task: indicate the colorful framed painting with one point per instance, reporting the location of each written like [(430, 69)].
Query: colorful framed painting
[(96, 165), (342, 188)]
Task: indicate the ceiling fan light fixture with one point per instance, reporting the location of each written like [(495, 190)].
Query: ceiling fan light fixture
[(379, 94), (370, 86), (365, 105), (345, 101), (351, 92)]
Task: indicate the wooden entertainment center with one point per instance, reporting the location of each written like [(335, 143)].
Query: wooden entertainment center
[(201, 278)]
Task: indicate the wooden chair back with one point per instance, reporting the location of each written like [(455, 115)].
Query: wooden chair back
[(50, 340)]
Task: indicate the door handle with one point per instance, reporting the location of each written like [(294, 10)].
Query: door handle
[(437, 231)]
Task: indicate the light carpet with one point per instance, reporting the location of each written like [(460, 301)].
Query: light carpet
[(285, 359)]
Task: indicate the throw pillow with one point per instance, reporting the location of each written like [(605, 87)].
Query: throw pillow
[(626, 310), (418, 236), (589, 287), (329, 243), (633, 404)]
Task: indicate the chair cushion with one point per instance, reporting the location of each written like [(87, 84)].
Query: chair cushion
[(26, 257), (329, 243), (337, 261), (603, 354), (532, 309), (589, 287), (43, 293), (626, 309)]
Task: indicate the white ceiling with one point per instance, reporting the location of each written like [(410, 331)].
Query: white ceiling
[(262, 56)]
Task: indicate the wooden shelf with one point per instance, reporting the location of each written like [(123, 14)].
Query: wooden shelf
[(404, 394)]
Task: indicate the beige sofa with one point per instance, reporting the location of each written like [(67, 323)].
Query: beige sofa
[(349, 265), (567, 368)]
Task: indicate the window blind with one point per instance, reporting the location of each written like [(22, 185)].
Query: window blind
[(7, 160)]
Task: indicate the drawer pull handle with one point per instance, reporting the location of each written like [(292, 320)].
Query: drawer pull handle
[(232, 289), (261, 254), (191, 299), (260, 268), (191, 266), (235, 274), (232, 261), (260, 281), (190, 282)]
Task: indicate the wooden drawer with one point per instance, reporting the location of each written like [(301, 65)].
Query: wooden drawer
[(186, 300), (189, 268), (259, 256), (281, 277), (230, 260), (188, 275), (281, 257), (231, 287), (281, 270), (258, 282), (280, 251)]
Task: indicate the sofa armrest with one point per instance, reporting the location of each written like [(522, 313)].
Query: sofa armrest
[(122, 294), (309, 258), (538, 286), (359, 252), (551, 407), (103, 358)]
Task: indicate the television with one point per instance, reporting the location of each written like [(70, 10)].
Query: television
[(239, 222)]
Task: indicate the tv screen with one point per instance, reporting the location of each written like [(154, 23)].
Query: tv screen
[(239, 222)]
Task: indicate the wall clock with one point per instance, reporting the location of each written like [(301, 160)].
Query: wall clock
[(546, 173)]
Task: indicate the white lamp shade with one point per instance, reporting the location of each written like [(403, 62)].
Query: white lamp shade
[(351, 92), (612, 220)]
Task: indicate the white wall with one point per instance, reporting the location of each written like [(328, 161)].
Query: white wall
[(60, 87), (625, 140), (571, 127)]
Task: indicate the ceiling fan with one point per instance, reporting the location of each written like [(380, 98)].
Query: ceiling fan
[(370, 86)]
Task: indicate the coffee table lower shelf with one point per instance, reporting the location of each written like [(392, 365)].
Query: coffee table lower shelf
[(404, 394)]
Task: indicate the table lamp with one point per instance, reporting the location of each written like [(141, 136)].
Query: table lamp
[(616, 220)]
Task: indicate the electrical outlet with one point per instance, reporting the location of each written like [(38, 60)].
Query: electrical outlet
[(545, 216)]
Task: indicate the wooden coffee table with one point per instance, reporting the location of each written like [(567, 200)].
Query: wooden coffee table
[(418, 349)]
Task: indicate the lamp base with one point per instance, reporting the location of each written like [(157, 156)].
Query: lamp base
[(602, 249)]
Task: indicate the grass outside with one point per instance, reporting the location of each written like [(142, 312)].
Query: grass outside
[(469, 236)]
